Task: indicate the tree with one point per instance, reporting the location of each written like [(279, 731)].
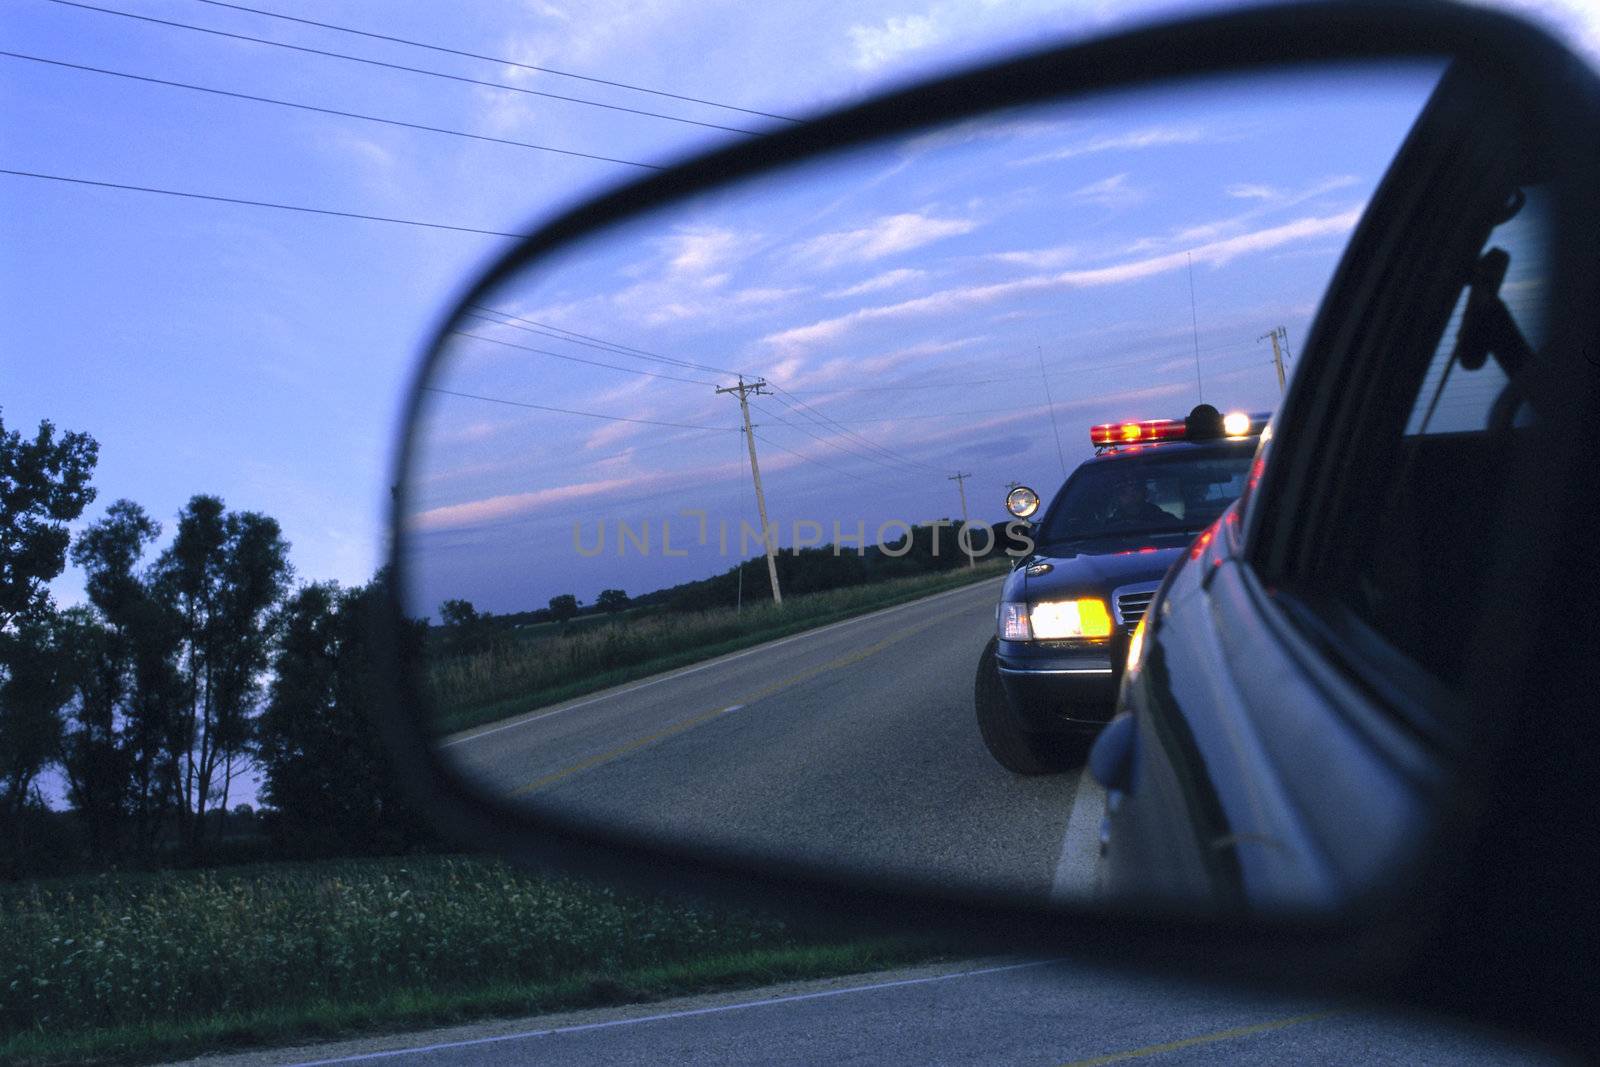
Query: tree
[(563, 607), (93, 752), (465, 631), (612, 600), (44, 484), (327, 777), (223, 575), (139, 663)]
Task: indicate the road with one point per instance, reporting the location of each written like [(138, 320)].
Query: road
[(851, 745), (970, 1013), (854, 744)]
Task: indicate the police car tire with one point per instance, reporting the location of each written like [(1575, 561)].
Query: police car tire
[(1013, 747)]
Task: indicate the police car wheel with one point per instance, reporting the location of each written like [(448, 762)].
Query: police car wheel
[(1016, 749)]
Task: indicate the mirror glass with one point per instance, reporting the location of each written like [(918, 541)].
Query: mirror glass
[(707, 516)]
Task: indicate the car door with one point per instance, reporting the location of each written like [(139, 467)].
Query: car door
[(1306, 677)]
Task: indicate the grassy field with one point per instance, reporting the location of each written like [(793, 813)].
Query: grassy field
[(517, 676), (134, 968)]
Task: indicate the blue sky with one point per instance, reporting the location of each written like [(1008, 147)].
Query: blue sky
[(261, 355)]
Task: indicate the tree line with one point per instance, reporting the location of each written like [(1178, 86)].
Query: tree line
[(190, 662)]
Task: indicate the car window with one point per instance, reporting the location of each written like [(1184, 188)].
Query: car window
[(1454, 398), (1148, 494), (1408, 551)]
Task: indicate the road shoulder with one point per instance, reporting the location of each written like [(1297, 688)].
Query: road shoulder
[(512, 1028)]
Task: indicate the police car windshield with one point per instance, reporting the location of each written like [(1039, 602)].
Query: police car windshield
[(1147, 493)]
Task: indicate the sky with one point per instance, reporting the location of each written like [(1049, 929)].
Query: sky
[(262, 355)]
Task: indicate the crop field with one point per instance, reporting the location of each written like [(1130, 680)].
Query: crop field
[(144, 966), (521, 674)]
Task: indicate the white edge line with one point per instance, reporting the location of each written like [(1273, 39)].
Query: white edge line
[(709, 663), (1082, 832), (678, 1014)]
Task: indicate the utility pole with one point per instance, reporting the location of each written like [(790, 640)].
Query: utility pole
[(1277, 335), (744, 390), (960, 480)]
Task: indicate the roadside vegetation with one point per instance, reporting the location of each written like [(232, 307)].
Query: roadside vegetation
[(199, 656), (138, 967), (519, 672)]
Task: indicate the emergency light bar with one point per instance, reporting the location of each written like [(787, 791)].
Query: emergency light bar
[(1149, 431), (1136, 433)]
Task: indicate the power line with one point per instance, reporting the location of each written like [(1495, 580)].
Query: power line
[(569, 411), (546, 330), (830, 442), (400, 66), (256, 203), (326, 110), (819, 416), (813, 459), (494, 59), (572, 359)]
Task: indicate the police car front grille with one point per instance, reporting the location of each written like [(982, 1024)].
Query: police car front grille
[(1131, 607)]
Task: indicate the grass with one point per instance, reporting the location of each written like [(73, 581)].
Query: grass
[(517, 676), (133, 968)]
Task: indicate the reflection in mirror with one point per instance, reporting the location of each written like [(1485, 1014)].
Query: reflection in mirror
[(708, 511)]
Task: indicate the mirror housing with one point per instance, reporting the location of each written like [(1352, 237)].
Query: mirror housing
[(1441, 948)]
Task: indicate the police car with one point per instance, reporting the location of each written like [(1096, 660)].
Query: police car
[(1048, 679)]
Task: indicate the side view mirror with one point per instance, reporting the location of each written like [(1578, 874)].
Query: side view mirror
[(697, 452)]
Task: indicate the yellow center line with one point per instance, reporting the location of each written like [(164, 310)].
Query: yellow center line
[(1203, 1039), (737, 702)]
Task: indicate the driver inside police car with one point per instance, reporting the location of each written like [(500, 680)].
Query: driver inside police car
[(1129, 503)]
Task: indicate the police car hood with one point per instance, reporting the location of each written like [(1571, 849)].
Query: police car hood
[(1098, 567)]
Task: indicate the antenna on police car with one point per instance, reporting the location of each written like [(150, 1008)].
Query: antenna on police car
[(1194, 321), (1045, 377)]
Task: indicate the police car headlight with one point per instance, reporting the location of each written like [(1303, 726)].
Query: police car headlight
[(1055, 620)]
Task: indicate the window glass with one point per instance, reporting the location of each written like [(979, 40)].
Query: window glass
[(1454, 398), (1156, 493), (1410, 546)]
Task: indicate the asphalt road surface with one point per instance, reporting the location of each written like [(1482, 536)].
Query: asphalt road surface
[(853, 745), (971, 1013)]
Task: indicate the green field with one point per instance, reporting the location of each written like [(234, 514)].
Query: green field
[(139, 967), (524, 673)]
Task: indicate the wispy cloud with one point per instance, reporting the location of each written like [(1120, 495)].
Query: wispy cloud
[(1113, 192), (1252, 191), (876, 46), (1146, 137), (475, 512), (883, 237), (887, 280), (1215, 254)]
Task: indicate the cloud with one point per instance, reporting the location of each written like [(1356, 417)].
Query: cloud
[(887, 280), (474, 512), (1148, 137), (1215, 253), (701, 250), (1271, 200), (883, 237), (876, 46), (1113, 192), (1251, 191)]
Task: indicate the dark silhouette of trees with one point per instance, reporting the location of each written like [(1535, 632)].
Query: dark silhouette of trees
[(464, 630), (44, 485), (224, 573), (563, 607), (130, 687), (326, 775), (611, 600)]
